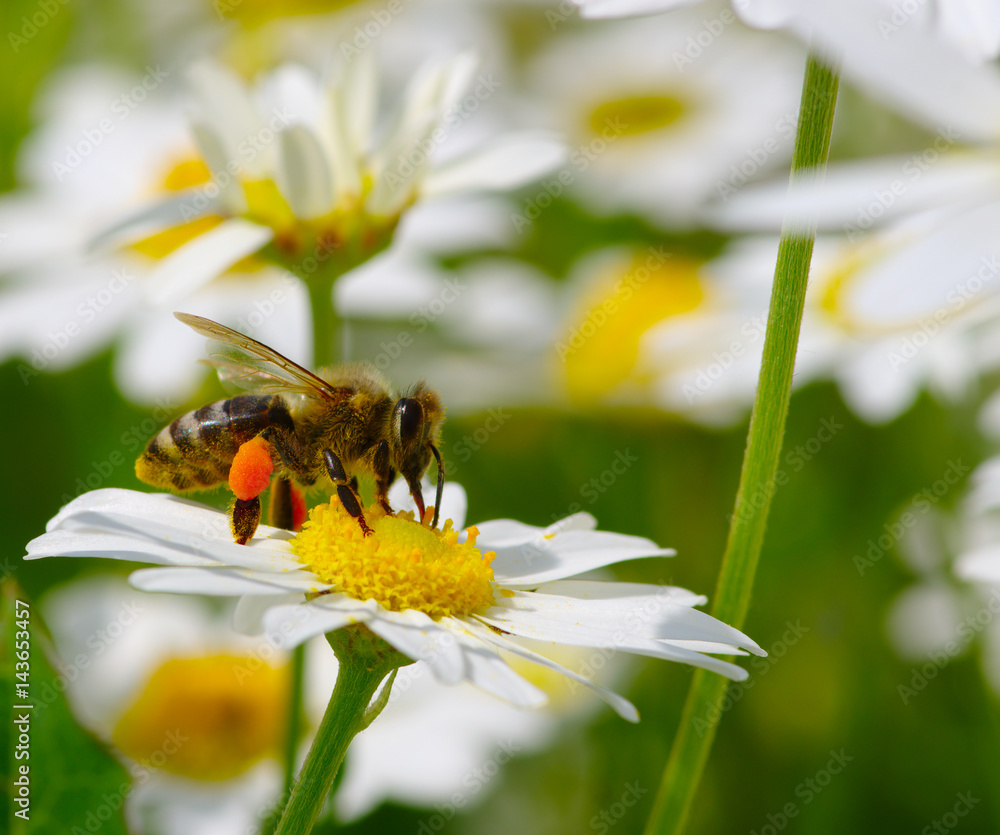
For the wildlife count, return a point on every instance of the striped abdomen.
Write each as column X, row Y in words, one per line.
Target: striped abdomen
column 196, row 450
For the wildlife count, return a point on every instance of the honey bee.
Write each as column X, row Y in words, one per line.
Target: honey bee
column 333, row 424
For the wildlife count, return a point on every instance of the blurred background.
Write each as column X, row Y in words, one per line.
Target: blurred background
column 877, row 707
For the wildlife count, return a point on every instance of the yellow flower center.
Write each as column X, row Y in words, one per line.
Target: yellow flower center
column 208, row 718
column 633, row 115
column 601, row 349
column 402, row 565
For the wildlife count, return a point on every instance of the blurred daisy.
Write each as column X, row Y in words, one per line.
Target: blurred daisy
column 658, row 122
column 292, row 172
column 972, row 26
column 629, row 327
column 198, row 709
column 454, row 609
column 59, row 305
column 880, row 334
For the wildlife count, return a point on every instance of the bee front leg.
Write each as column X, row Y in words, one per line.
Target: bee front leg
column 385, row 474
column 345, row 492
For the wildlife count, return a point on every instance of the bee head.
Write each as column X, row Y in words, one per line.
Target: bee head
column 415, row 427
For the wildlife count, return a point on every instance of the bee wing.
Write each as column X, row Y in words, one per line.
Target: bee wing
column 254, row 367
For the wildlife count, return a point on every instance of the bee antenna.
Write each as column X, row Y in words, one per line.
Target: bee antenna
column 440, row 485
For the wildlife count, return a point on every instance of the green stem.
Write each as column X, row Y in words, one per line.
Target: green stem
column 326, row 324
column 760, row 463
column 294, row 727
column 365, row 661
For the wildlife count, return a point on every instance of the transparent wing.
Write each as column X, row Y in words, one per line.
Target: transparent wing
column 254, row 367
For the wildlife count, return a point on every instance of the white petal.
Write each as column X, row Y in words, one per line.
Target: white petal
column 454, row 502
column 422, row 639
column 601, row 590
column 601, row 9
column 506, row 163
column 204, row 258
column 622, row 706
column 157, row 528
column 248, row 616
column 288, row 626
column 228, row 107
column 540, row 628
column 652, row 618
column 153, row 218
column 506, row 533
column 303, row 174
column 217, row 158
column 226, row 582
column 981, row 565
column 556, row 556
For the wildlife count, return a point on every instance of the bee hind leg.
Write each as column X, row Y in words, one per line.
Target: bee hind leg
column 244, row 518
column 345, row 490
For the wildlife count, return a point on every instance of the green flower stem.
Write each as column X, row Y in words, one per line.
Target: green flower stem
column 326, row 324
column 293, row 729
column 365, row 661
column 760, row 463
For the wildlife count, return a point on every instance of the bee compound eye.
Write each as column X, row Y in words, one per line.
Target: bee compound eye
column 408, row 420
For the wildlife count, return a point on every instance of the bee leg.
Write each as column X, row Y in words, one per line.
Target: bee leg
column 280, row 513
column 345, row 492
column 385, row 473
column 244, row 518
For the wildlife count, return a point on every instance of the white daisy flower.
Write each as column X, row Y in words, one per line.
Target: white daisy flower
column 165, row 663
column 59, row 304
column 972, row 26
column 299, row 176
column 879, row 334
column 657, row 122
column 455, row 606
column 197, row 710
column 630, row 326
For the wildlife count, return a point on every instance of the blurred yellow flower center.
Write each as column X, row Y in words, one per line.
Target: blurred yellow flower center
column 601, row 348
column 402, row 565
column 187, row 173
column 208, row 718
column 842, row 281
column 632, row 115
